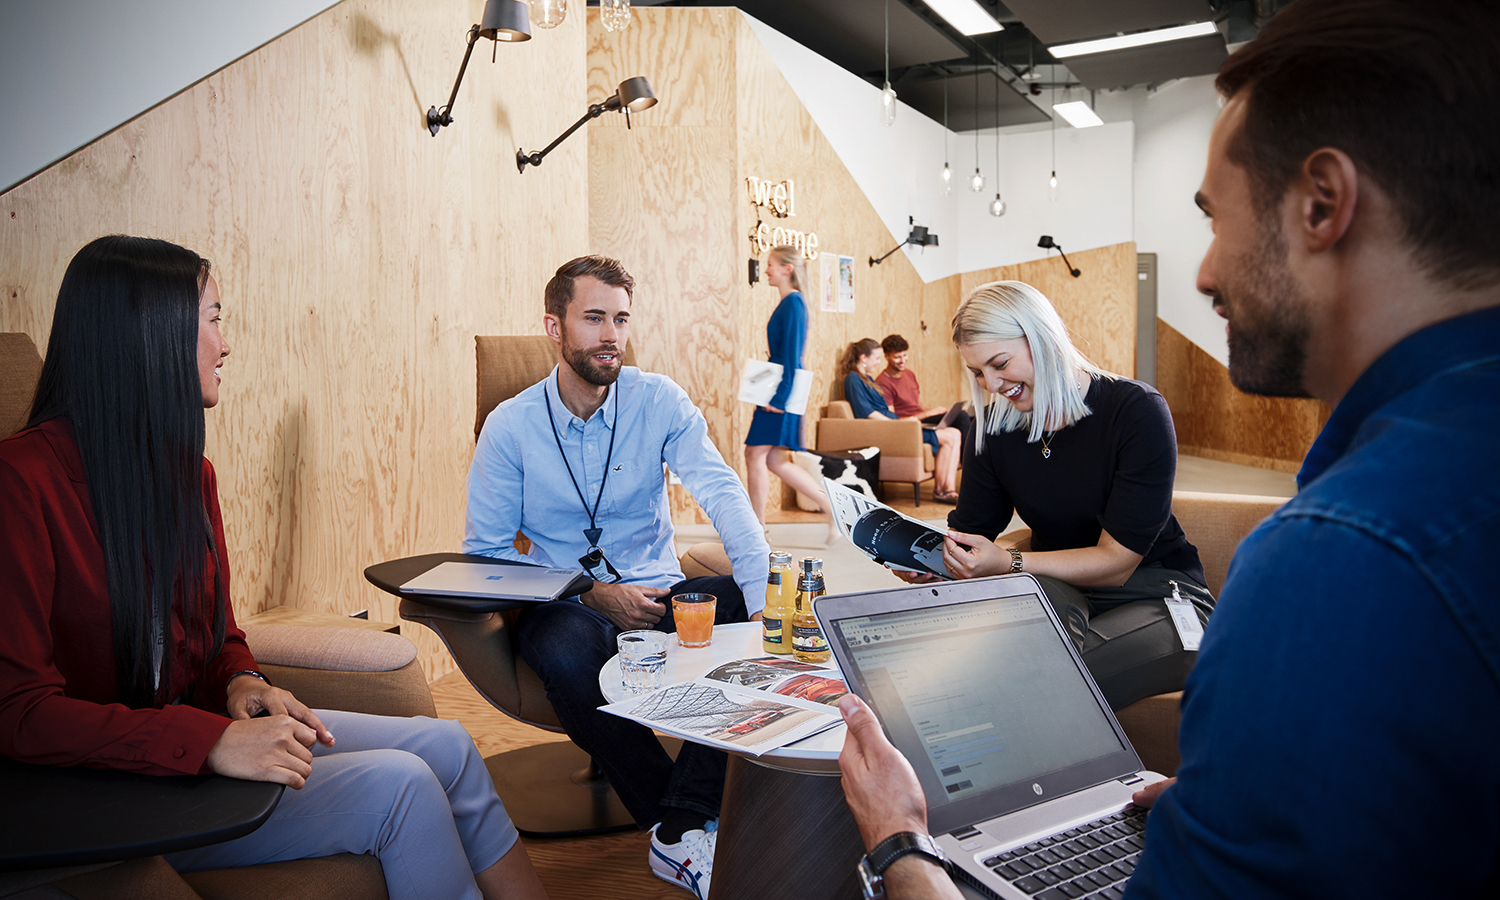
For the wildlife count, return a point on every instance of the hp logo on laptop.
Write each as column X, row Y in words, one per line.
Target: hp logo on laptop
column 1037, row 788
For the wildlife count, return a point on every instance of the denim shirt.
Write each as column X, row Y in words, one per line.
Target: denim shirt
column 518, row 481
column 1340, row 733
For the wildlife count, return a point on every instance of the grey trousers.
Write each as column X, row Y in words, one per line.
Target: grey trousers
column 1125, row 634
column 412, row 792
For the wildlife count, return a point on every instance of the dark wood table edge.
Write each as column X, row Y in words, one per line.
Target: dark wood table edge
column 391, row 574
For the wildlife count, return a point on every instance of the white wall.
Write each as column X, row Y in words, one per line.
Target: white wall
column 898, row 170
column 1171, row 149
column 73, row 70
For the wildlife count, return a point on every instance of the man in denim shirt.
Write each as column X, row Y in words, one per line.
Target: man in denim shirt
column 1340, row 732
column 575, row 462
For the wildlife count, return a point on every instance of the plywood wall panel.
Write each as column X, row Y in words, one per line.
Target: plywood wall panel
column 1216, row 420
column 357, row 256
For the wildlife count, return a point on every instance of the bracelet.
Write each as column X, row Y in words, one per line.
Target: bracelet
column 249, row 672
column 1015, row 560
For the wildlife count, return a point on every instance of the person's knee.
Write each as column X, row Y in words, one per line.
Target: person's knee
column 563, row 642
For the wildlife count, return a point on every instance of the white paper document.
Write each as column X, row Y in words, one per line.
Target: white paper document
column 759, row 380
column 886, row 536
column 749, row 705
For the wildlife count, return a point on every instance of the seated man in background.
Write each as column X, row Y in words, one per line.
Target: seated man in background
column 575, row 462
column 1342, row 718
column 899, row 385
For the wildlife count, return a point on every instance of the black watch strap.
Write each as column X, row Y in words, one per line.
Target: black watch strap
column 873, row 866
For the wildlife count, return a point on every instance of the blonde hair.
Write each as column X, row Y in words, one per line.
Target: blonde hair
column 787, row 254
column 1004, row 311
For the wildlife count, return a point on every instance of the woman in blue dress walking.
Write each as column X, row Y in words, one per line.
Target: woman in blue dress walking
column 772, row 427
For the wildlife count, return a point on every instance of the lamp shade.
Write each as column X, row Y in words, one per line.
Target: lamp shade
column 505, row 20
column 635, row 94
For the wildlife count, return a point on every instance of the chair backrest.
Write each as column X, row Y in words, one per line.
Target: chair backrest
column 838, row 409
column 20, row 367
column 1216, row 523
column 507, row 364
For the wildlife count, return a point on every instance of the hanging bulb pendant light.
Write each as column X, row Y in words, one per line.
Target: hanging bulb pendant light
column 614, row 15
column 997, row 206
column 947, row 169
column 976, row 184
column 1052, row 182
column 887, row 96
column 548, row 13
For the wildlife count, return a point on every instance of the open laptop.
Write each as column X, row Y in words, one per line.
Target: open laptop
column 1028, row 775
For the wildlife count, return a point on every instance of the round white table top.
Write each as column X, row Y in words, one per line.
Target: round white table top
column 741, row 640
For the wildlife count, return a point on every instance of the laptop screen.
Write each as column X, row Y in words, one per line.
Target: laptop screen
column 979, row 694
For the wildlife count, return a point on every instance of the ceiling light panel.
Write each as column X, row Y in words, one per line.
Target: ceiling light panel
column 1126, row 41
column 967, row 16
column 1078, row 114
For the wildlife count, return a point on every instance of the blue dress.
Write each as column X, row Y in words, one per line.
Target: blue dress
column 786, row 334
column 864, row 398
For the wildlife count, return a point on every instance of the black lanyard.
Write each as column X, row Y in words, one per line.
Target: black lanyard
column 592, row 532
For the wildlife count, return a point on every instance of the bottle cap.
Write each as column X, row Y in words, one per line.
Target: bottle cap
column 781, row 558
column 811, row 565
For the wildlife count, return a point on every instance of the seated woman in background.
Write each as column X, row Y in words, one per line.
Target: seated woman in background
column 120, row 649
column 863, row 360
column 1088, row 460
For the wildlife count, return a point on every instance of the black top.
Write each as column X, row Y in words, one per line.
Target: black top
column 1112, row 471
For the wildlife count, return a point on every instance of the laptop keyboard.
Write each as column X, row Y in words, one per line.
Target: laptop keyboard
column 1090, row 861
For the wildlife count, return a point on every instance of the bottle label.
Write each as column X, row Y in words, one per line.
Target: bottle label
column 809, row 639
column 774, row 578
column 770, row 630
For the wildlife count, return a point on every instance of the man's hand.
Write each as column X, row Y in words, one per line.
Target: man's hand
column 249, row 696
column 1147, row 796
column 973, row 555
column 879, row 783
column 629, row 606
column 272, row 749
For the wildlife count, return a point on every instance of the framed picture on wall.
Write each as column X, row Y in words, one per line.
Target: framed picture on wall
column 828, row 282
column 846, row 284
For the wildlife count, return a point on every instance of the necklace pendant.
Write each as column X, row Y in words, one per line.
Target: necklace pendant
column 1046, row 453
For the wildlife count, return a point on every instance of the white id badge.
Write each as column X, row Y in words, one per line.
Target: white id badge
column 1185, row 618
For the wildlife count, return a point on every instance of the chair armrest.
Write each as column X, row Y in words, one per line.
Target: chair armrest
column 343, row 668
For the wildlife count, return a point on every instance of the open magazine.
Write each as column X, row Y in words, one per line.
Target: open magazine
column 747, row 705
column 885, row 535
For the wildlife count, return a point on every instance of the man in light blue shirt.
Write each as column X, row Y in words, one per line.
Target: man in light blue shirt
column 575, row 463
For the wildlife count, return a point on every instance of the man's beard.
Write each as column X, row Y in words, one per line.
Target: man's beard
column 583, row 363
column 1268, row 321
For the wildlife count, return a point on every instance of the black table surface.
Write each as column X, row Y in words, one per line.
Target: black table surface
column 67, row 815
column 390, row 575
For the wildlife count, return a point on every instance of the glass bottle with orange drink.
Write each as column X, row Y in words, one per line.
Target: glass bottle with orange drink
column 781, row 594
column 808, row 642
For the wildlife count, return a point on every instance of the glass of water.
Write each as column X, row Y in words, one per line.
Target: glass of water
column 643, row 660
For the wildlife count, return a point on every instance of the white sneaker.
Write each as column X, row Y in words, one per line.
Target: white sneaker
column 688, row 863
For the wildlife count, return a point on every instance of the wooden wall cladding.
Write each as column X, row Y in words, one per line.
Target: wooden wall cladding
column 357, row 257
column 1216, row 420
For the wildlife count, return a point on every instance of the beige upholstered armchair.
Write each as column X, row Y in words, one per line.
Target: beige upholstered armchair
column 904, row 457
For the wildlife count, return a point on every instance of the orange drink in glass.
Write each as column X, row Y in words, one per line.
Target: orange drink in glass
column 694, row 615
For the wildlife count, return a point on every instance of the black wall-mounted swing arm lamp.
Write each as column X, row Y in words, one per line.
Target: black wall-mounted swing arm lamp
column 633, row 95
column 504, row 20
column 919, row 237
column 1046, row 243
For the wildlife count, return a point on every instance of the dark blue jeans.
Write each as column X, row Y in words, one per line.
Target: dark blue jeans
column 567, row 643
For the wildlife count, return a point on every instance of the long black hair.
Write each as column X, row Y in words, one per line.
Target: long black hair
column 122, row 367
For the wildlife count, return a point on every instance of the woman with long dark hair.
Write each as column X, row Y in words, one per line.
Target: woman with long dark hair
column 862, row 361
column 120, row 648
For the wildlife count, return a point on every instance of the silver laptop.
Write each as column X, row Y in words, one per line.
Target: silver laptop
column 1027, row 774
column 488, row 581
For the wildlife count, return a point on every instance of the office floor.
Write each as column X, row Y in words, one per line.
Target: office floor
column 615, row 865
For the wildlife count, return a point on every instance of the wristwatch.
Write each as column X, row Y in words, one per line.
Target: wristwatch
column 872, row 867
column 1015, row 560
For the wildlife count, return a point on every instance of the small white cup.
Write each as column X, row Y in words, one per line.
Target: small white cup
column 643, row 660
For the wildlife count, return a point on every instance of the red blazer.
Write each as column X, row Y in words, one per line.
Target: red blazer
column 58, row 702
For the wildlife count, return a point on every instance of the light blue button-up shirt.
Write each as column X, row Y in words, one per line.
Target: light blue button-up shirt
column 518, row 482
